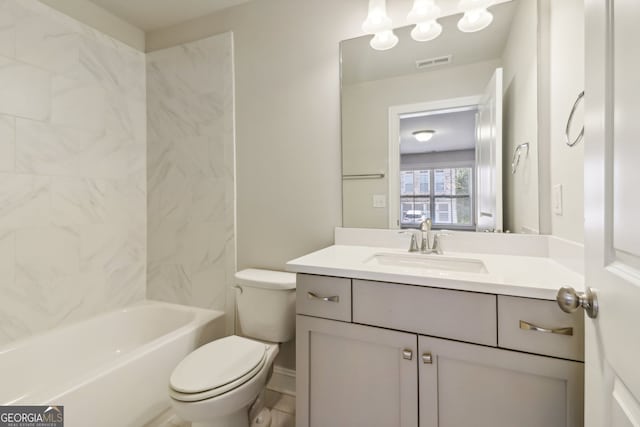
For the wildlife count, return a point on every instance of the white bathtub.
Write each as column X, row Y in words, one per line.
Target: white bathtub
column 111, row 370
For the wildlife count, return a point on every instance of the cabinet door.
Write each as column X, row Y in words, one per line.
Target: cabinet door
column 464, row 385
column 354, row 376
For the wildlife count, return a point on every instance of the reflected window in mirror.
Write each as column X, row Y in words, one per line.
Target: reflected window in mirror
column 449, row 202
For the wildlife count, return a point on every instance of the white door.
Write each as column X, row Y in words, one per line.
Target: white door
column 612, row 211
column 489, row 156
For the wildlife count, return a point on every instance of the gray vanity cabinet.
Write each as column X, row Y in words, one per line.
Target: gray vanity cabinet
column 470, row 385
column 375, row 354
column 355, row 376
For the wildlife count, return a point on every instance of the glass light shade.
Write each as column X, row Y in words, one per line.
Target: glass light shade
column 425, row 31
column 384, row 40
column 377, row 20
column 424, row 135
column 423, row 11
column 475, row 20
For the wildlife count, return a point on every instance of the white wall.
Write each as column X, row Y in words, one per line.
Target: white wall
column 365, row 109
column 72, row 171
column 98, row 18
column 288, row 118
column 520, row 59
column 566, row 82
column 191, row 174
column 287, row 79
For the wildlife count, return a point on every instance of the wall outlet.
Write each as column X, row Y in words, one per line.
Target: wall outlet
column 379, row 201
column 557, row 199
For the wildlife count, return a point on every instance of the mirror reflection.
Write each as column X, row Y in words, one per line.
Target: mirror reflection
column 444, row 129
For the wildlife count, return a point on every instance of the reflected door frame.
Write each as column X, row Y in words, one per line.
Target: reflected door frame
column 393, row 167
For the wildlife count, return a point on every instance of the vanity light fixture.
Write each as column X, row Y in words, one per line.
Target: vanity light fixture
column 384, row 40
column 423, row 15
column 379, row 24
column 476, row 16
column 424, row 135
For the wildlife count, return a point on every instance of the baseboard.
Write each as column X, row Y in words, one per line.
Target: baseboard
column 283, row 381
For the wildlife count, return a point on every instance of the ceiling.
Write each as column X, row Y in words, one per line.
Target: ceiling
column 149, row 15
column 454, row 131
column 361, row 63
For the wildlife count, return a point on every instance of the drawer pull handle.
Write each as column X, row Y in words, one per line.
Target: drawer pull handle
column 407, row 354
column 427, row 358
column 334, row 298
column 531, row 327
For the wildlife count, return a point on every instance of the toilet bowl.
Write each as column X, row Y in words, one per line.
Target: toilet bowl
column 217, row 384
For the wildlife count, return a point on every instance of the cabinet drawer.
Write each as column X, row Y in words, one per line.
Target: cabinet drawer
column 538, row 326
column 322, row 296
column 464, row 316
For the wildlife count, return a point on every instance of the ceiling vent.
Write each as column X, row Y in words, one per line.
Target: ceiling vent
column 433, row 62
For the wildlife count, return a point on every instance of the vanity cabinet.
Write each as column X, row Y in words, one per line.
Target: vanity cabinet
column 356, row 375
column 403, row 355
column 470, row 385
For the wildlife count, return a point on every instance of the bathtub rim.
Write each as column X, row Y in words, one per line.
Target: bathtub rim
column 50, row 392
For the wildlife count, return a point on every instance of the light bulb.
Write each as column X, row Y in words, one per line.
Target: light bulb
column 384, row 40
column 423, row 11
column 377, row 19
column 475, row 20
column 426, row 31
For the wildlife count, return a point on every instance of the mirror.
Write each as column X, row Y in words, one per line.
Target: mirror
column 444, row 129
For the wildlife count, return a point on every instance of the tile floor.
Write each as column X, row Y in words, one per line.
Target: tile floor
column 283, row 407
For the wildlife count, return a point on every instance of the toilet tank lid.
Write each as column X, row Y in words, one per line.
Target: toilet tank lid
column 267, row 279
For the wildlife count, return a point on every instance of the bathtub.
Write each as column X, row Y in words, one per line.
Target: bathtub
column 111, row 370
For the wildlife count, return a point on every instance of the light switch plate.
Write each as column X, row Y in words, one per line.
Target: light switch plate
column 557, row 199
column 379, row 201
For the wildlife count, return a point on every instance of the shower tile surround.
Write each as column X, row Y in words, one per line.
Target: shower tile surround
column 191, row 174
column 74, row 172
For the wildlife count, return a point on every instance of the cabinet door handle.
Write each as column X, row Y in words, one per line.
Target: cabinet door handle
column 407, row 354
column 559, row 331
column 334, row 298
column 427, row 358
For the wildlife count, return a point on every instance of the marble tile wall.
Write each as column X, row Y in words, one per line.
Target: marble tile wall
column 72, row 171
column 191, row 161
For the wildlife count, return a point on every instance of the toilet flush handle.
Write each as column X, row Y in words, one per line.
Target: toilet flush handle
column 238, row 287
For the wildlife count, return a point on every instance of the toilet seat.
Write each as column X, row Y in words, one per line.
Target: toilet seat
column 217, row 368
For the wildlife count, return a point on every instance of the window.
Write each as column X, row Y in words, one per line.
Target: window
column 449, row 199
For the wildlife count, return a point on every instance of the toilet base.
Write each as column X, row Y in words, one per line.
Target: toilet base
column 237, row 419
column 260, row 418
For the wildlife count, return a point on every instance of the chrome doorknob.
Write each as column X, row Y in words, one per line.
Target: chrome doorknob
column 569, row 301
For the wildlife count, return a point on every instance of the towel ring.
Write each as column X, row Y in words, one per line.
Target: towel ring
column 517, row 153
column 568, row 140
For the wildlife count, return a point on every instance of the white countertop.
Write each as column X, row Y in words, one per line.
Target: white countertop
column 524, row 276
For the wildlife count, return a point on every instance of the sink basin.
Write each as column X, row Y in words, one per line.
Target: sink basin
column 428, row 262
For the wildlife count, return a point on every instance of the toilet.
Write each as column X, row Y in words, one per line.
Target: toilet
column 220, row 383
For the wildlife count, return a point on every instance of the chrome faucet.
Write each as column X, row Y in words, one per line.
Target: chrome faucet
column 426, row 245
column 425, row 230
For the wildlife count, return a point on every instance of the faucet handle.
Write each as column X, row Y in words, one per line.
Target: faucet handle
column 437, row 245
column 413, row 246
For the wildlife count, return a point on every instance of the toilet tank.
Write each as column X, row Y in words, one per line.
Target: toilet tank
column 266, row 302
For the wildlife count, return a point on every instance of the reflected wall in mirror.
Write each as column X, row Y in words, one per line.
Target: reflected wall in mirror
column 430, row 129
